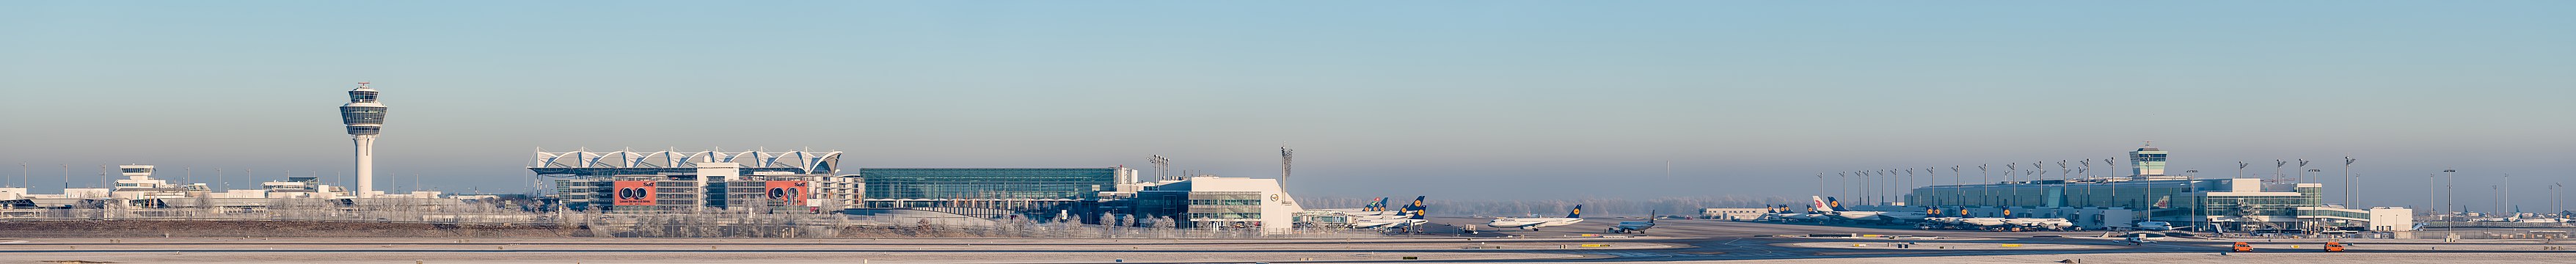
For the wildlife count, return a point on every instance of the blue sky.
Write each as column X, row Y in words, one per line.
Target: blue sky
column 1470, row 99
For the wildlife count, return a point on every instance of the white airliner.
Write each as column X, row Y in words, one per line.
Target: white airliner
column 1410, row 219
column 1832, row 207
column 1410, row 215
column 1534, row 223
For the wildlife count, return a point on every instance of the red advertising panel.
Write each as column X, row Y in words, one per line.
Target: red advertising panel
column 634, row 193
column 789, row 193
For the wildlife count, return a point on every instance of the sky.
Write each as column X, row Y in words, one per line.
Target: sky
column 1463, row 99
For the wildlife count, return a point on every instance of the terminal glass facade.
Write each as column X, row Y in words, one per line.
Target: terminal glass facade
column 2196, row 202
column 989, row 183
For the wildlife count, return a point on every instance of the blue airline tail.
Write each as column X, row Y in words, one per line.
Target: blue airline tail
column 1578, row 212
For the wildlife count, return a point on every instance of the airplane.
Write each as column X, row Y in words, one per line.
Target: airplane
column 1373, row 206
column 1782, row 213
column 1411, row 215
column 2041, row 223
column 2138, row 238
column 1625, row 227
column 1411, row 219
column 1834, row 208
column 1534, row 223
column 1987, row 223
column 2158, row 226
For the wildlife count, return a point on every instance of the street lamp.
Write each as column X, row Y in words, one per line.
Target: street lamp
column 2447, row 198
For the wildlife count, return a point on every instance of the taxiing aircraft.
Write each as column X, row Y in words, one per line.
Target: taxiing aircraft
column 1625, row 227
column 1534, row 223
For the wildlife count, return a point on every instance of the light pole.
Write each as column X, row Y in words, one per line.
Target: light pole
column 2506, row 207
column 2447, row 198
column 2009, row 170
column 1846, row 186
column 1907, row 190
column 2351, row 184
column 2303, row 173
column 2240, row 168
column 1987, row 193
column 2276, row 167
column 1956, row 179
column 2553, row 199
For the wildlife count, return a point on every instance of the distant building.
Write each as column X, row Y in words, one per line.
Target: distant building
column 2231, row 205
column 691, row 181
column 1042, row 193
column 1221, row 202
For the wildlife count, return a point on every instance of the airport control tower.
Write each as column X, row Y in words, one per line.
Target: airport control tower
column 2147, row 161
column 365, row 117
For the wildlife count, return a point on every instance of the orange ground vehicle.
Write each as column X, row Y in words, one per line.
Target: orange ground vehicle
column 2242, row 247
column 2334, row 246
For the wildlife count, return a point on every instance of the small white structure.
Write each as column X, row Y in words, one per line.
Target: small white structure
column 2392, row 219
column 1236, row 202
column 1733, row 213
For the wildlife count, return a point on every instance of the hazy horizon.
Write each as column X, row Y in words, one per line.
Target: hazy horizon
column 1467, row 100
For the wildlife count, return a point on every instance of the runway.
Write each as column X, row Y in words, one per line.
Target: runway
column 1670, row 241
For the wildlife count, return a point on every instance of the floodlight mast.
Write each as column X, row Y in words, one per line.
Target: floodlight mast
column 2447, row 198
column 1160, row 164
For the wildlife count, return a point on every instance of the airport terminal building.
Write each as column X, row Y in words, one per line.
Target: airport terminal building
column 2223, row 205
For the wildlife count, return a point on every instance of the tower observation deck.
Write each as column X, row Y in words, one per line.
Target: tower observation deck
column 365, row 118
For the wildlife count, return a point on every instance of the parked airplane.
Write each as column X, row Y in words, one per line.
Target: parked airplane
column 1373, row 206
column 1833, row 207
column 2157, row 226
column 1534, row 223
column 1625, row 227
column 1411, row 215
column 1410, row 219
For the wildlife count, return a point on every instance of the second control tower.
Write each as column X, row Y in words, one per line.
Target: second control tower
column 364, row 118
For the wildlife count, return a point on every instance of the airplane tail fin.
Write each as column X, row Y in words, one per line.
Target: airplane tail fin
column 1417, row 207
column 1818, row 203
column 1650, row 216
column 1578, row 212
column 1831, row 203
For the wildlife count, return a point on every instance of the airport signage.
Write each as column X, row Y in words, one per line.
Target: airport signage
column 634, row 192
column 789, row 193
